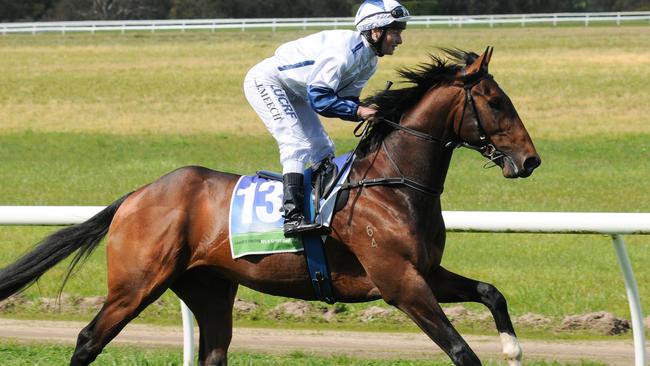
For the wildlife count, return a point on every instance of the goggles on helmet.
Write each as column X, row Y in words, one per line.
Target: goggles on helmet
column 397, row 12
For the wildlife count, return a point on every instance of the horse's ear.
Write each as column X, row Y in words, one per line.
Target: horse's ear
column 481, row 63
column 489, row 56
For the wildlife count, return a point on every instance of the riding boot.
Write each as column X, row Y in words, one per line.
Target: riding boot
column 293, row 204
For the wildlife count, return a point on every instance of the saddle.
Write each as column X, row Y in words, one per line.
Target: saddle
column 324, row 176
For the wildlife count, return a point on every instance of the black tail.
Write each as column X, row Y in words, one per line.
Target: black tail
column 84, row 237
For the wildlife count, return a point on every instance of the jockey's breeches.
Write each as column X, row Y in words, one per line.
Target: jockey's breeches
column 290, row 119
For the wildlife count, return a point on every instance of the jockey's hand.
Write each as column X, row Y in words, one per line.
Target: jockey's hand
column 366, row 113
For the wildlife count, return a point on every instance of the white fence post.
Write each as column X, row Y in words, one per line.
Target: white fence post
column 188, row 335
column 636, row 313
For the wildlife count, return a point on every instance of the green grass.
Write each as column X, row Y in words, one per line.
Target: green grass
column 564, row 81
column 552, row 275
column 87, row 118
column 23, row 354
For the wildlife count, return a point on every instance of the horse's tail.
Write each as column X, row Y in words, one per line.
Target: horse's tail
column 84, row 237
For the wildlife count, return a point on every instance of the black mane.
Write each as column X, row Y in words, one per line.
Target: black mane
column 391, row 104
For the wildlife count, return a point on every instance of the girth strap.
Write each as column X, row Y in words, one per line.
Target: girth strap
column 319, row 272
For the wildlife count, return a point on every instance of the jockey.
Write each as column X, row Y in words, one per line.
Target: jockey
column 322, row 73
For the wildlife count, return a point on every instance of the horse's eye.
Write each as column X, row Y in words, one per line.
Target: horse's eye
column 496, row 103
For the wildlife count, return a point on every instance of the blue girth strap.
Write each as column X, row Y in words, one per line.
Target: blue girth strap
column 319, row 272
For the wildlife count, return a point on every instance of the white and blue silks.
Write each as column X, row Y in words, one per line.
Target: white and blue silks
column 322, row 73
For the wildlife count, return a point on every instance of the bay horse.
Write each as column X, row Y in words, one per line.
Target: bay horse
column 387, row 241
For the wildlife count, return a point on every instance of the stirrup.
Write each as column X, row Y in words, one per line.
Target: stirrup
column 293, row 229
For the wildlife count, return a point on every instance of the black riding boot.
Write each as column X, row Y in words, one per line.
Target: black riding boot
column 293, row 204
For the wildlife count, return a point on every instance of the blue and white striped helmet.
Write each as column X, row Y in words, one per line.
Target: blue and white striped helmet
column 380, row 13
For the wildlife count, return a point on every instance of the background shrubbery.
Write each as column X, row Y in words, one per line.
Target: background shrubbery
column 27, row 10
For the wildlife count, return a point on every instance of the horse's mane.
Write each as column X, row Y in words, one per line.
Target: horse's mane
column 391, row 104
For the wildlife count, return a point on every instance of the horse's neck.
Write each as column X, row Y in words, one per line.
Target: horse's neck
column 425, row 161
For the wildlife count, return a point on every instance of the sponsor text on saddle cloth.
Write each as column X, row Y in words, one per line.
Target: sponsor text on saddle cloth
column 256, row 216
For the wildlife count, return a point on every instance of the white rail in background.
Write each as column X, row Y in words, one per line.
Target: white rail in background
column 183, row 25
column 614, row 224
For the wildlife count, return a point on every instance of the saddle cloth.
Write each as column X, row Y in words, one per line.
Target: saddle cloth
column 256, row 214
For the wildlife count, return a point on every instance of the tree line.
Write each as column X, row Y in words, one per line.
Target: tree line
column 44, row 10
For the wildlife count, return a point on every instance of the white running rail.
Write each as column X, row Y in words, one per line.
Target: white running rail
column 523, row 20
column 613, row 224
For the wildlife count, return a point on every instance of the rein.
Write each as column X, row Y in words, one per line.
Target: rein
column 486, row 147
column 402, row 180
column 412, row 131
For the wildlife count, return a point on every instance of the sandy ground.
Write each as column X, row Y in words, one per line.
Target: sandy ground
column 357, row 344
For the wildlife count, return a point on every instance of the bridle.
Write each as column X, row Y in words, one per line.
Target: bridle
column 485, row 145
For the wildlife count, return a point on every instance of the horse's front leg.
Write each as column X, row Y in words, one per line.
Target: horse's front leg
column 404, row 287
column 450, row 287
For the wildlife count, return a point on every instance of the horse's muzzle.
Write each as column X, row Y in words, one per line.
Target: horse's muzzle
column 530, row 164
column 516, row 168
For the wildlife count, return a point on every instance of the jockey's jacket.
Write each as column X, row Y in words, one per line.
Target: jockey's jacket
column 328, row 70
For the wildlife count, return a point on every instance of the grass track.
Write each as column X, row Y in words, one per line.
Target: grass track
column 22, row 354
column 84, row 119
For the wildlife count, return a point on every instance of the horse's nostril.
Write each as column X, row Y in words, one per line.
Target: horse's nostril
column 531, row 163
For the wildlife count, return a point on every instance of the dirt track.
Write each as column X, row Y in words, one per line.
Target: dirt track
column 358, row 344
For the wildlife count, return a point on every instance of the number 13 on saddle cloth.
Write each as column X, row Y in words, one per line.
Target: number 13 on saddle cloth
column 256, row 222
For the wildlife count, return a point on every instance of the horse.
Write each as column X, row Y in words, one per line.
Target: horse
column 386, row 243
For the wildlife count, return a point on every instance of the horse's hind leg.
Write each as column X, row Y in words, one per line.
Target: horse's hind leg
column 211, row 300
column 82, row 354
column 119, row 308
column 141, row 265
column 451, row 287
